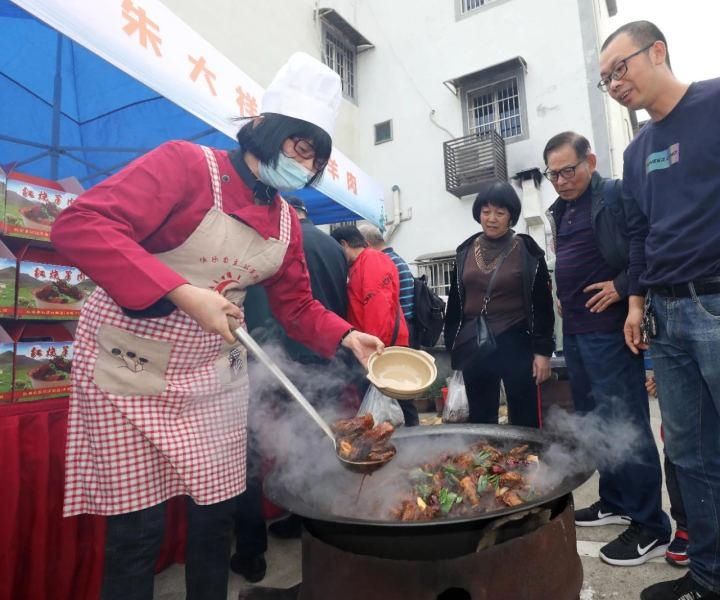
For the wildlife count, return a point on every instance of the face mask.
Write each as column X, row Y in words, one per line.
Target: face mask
column 287, row 176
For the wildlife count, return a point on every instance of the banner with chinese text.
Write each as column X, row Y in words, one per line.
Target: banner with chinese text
column 149, row 42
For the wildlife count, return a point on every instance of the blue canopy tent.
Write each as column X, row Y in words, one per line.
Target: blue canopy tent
column 65, row 111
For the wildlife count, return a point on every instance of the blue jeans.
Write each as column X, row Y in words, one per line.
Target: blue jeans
column 132, row 544
column 685, row 355
column 608, row 379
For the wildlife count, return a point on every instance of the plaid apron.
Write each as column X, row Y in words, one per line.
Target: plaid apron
column 158, row 406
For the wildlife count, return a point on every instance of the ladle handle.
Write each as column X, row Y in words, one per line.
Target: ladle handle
column 254, row 348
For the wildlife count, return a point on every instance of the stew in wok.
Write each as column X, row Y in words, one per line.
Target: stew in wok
column 480, row 480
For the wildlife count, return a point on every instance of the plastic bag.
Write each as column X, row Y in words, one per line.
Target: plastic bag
column 381, row 407
column 456, row 408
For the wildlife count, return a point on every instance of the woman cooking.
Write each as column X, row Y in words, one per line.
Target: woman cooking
column 503, row 275
column 159, row 403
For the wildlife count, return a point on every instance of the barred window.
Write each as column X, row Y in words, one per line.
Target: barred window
column 467, row 6
column 340, row 55
column 496, row 107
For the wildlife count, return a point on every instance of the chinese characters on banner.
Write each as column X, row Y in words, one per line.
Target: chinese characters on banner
column 146, row 32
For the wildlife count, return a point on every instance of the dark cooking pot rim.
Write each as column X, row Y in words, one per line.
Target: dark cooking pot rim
column 494, row 434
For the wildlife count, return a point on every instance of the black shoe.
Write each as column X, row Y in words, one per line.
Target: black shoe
column 287, row 528
column 633, row 547
column 594, row 515
column 685, row 588
column 253, row 569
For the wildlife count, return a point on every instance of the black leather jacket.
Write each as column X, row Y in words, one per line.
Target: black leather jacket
column 609, row 224
column 537, row 296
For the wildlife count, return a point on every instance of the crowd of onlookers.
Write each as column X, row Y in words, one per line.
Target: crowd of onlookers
column 637, row 264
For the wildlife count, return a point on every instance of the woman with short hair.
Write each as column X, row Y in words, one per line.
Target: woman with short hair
column 518, row 311
column 160, row 389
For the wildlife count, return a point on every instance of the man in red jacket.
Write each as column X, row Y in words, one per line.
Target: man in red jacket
column 374, row 297
column 373, row 289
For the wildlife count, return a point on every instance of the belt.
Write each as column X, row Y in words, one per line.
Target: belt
column 710, row 285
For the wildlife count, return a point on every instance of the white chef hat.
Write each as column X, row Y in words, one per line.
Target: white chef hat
column 305, row 88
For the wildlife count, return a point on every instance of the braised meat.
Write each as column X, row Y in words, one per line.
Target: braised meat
column 45, row 213
column 58, row 369
column 360, row 440
column 480, row 480
column 59, row 292
column 352, row 427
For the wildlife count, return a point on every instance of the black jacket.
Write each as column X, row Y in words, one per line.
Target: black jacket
column 609, row 225
column 537, row 296
column 327, row 269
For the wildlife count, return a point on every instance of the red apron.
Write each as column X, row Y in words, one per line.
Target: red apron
column 159, row 407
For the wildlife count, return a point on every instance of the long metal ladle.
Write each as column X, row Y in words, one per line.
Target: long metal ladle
column 366, row 466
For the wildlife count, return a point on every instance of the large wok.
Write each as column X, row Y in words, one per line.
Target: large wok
column 325, row 494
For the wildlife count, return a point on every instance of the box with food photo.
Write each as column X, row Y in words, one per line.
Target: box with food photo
column 7, row 355
column 32, row 204
column 43, row 361
column 47, row 289
column 8, row 276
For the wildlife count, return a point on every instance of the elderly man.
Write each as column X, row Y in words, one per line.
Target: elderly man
column 591, row 247
column 672, row 170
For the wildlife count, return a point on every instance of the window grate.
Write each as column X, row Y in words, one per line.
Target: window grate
column 438, row 272
column 471, row 5
column 496, row 108
column 340, row 57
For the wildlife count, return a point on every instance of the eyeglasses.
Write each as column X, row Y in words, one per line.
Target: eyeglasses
column 305, row 150
column 619, row 70
column 566, row 172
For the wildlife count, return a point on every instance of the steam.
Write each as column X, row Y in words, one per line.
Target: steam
column 602, row 439
column 309, row 474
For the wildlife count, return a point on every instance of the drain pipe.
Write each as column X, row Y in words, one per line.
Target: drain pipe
column 394, row 224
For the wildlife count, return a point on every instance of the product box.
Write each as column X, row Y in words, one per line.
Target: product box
column 47, row 289
column 7, row 354
column 43, row 361
column 8, row 277
column 32, row 204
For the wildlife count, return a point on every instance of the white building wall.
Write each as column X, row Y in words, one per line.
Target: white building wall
column 418, row 45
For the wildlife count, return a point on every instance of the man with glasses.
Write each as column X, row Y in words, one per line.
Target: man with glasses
column 591, row 248
column 672, row 170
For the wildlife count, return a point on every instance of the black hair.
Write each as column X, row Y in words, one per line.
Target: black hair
column 500, row 194
column 265, row 137
column 579, row 143
column 643, row 33
column 351, row 235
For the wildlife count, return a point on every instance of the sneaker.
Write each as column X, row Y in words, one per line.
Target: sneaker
column 633, row 547
column 676, row 554
column 287, row 528
column 685, row 588
column 594, row 515
column 252, row 569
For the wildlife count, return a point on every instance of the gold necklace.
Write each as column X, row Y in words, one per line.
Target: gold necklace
column 485, row 264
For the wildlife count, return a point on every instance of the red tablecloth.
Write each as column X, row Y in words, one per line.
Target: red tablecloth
column 43, row 555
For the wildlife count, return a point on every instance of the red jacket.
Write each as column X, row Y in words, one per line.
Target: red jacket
column 113, row 231
column 374, row 297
